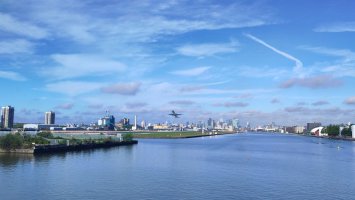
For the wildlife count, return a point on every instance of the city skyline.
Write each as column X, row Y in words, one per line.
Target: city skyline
column 258, row 61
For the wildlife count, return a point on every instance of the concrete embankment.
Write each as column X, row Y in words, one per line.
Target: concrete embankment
column 39, row 149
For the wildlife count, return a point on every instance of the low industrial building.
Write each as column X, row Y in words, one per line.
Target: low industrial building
column 38, row 127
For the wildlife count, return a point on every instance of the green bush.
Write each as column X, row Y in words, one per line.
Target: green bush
column 11, row 141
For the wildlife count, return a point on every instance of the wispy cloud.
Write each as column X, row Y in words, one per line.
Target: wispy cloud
column 191, row 72
column 298, row 63
column 12, row 76
column 65, row 106
column 16, row 46
column 350, row 100
column 338, row 68
column 315, row 82
column 336, row 27
column 261, row 72
column 73, row 88
column 182, row 102
column 19, row 27
column 275, row 101
column 136, row 104
column 208, row 49
column 320, row 103
column 122, row 88
column 79, row 65
column 231, row 104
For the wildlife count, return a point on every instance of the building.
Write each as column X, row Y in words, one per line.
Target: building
column 107, row 122
column 210, row 124
column 235, row 123
column 135, row 123
column 38, row 127
column 313, row 125
column 299, row 129
column 318, row 131
column 7, row 116
column 353, row 131
column 49, row 117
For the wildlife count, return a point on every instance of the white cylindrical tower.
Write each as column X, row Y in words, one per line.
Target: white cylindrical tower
column 353, row 131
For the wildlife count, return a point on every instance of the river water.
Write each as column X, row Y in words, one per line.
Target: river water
column 243, row 166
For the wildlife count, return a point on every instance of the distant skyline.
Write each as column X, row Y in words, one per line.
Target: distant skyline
column 289, row 62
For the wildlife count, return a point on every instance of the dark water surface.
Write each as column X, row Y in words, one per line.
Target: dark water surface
column 244, row 166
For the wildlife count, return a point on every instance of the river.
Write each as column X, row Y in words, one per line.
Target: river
column 239, row 166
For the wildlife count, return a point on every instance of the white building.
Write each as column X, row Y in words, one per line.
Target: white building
column 318, row 131
column 353, row 131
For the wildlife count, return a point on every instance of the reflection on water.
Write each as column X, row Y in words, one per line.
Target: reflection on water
column 243, row 166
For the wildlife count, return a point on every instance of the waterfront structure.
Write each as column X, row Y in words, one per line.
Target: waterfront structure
column 49, row 117
column 318, row 131
column 7, row 116
column 353, row 131
column 313, row 125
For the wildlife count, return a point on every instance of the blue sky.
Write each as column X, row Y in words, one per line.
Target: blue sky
column 288, row 62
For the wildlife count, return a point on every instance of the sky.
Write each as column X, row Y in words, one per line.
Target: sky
column 288, row 62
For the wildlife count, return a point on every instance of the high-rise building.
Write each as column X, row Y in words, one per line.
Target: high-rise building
column 210, row 124
column 49, row 117
column 235, row 123
column 135, row 123
column 7, row 116
column 313, row 125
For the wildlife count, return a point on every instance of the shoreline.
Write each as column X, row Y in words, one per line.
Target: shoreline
column 43, row 149
column 176, row 135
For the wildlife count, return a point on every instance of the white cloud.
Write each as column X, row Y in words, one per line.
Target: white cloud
column 208, row 49
column 73, row 88
column 13, row 25
column 298, row 63
column 191, row 72
column 337, row 27
column 12, row 76
column 16, row 46
column 79, row 65
column 122, row 88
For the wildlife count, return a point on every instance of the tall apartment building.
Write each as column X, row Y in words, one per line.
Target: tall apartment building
column 49, row 117
column 7, row 116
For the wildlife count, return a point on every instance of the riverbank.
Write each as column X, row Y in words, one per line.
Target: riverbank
column 40, row 149
column 177, row 135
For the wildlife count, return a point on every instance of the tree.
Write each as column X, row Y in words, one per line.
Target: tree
column 347, row 131
column 11, row 141
column 332, row 130
column 127, row 137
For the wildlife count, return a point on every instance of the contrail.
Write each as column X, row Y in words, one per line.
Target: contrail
column 298, row 63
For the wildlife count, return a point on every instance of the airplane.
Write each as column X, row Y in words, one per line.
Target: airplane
column 173, row 113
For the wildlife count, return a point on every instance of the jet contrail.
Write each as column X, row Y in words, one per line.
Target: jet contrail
column 298, row 63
